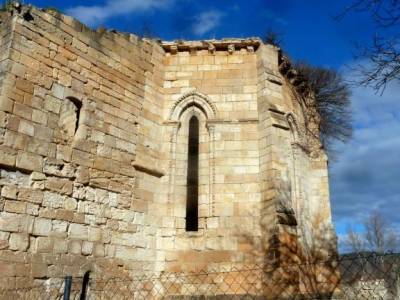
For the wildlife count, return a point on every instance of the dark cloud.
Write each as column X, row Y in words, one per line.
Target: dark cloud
column 367, row 175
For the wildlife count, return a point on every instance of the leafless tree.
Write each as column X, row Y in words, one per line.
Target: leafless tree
column 385, row 13
column 272, row 37
column 332, row 101
column 373, row 253
column 383, row 54
column 377, row 236
column 147, row 31
column 355, row 241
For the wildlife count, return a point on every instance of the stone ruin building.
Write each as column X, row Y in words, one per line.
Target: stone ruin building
column 122, row 155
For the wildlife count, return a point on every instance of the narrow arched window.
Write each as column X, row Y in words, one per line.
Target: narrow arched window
column 192, row 190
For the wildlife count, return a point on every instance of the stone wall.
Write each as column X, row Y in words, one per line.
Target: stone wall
column 94, row 150
column 224, row 84
column 72, row 99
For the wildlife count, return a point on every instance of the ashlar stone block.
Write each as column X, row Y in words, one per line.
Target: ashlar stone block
column 29, row 161
column 42, row 227
column 19, row 241
column 78, row 231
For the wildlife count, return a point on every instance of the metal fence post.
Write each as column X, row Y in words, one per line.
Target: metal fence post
column 67, row 287
column 85, row 284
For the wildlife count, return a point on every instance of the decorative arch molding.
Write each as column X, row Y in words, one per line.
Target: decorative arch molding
column 189, row 99
column 298, row 136
column 294, row 128
column 188, row 105
column 288, row 209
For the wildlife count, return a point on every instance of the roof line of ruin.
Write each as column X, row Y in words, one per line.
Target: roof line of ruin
column 226, row 44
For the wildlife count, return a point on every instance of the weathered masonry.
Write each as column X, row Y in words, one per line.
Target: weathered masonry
column 122, row 155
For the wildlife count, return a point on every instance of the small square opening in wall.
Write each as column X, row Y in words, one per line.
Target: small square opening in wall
column 69, row 116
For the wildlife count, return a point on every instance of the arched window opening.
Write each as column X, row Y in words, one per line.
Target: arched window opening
column 192, row 189
column 69, row 115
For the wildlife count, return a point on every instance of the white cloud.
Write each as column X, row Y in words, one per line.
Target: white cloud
column 367, row 175
column 93, row 15
column 206, row 21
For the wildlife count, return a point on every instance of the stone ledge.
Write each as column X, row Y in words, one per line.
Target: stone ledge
column 148, row 170
column 236, row 121
column 250, row 44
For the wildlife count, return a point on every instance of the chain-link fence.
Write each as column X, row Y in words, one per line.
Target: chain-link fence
column 357, row 276
column 53, row 288
column 67, row 287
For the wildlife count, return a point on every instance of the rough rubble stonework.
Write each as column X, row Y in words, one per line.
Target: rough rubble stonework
column 94, row 150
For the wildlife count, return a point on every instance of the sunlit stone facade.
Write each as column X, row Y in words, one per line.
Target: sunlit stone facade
column 94, row 153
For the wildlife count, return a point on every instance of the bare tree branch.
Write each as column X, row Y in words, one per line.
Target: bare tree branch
column 377, row 236
column 383, row 63
column 272, row 37
column 385, row 13
column 354, row 241
column 332, row 101
column 383, row 55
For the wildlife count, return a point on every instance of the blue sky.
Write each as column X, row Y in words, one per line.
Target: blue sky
column 310, row 33
column 367, row 173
